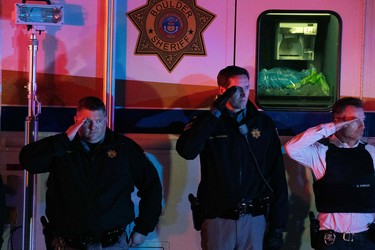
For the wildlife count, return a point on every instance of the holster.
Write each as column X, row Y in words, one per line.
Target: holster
column 197, row 212
column 314, row 230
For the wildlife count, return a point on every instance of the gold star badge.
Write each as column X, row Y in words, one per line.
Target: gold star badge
column 255, row 133
column 111, row 153
column 170, row 29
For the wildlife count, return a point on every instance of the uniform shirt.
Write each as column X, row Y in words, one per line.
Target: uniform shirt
column 226, row 160
column 306, row 150
column 89, row 191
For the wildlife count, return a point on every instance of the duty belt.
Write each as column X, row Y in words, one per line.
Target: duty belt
column 256, row 207
column 106, row 239
column 330, row 236
column 245, row 208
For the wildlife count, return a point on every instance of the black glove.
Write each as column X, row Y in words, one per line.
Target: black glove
column 274, row 240
column 221, row 100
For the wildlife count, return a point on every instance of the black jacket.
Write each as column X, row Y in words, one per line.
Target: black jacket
column 228, row 169
column 90, row 192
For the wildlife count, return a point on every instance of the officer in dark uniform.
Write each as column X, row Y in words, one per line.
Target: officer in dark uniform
column 92, row 173
column 243, row 192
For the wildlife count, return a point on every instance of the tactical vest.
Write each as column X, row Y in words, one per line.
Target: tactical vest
column 349, row 182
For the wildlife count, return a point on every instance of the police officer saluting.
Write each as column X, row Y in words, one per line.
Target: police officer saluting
column 242, row 193
column 344, row 177
column 92, row 173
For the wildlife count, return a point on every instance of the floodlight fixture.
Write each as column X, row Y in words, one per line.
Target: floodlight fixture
column 39, row 14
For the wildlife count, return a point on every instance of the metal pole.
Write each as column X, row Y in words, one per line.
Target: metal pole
column 31, row 135
column 109, row 67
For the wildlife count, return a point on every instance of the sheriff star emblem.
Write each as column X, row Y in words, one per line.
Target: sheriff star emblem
column 111, row 153
column 170, row 29
column 255, row 133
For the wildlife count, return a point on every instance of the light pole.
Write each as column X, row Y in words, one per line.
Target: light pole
column 31, row 135
column 36, row 17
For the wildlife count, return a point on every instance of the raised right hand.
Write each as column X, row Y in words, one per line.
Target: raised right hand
column 72, row 130
column 347, row 124
column 222, row 100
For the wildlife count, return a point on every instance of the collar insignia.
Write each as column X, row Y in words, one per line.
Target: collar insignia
column 111, row 153
column 255, row 133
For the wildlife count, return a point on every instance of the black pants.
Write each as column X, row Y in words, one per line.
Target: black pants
column 361, row 241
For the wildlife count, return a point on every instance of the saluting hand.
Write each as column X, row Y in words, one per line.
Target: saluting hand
column 347, row 124
column 72, row 130
column 222, row 100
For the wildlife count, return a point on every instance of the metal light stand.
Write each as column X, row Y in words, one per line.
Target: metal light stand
column 31, row 135
column 109, row 55
column 36, row 17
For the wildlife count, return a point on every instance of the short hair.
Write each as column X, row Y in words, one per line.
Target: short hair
column 228, row 72
column 342, row 103
column 91, row 103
